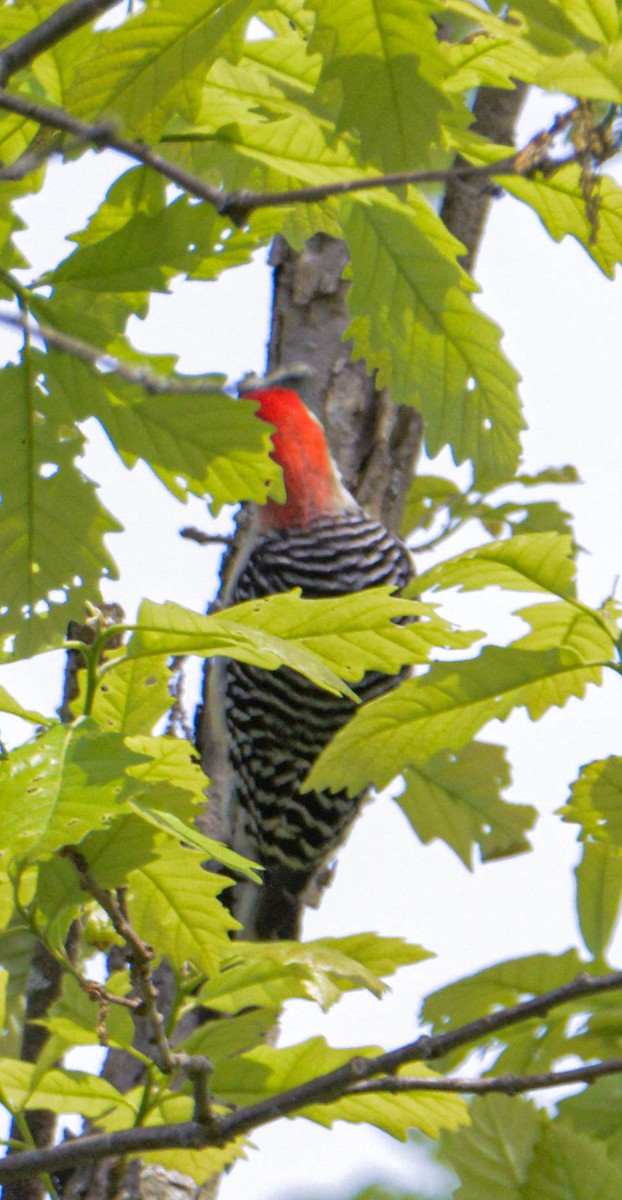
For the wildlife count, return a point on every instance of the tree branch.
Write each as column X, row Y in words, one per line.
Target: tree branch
column 348, row 1080
column 104, row 136
column 238, row 205
column 102, row 360
column 53, row 29
column 466, row 203
column 508, row 1085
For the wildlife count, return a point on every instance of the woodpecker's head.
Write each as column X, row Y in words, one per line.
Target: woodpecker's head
column 312, row 482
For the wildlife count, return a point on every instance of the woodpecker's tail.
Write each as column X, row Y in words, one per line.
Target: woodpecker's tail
column 273, row 911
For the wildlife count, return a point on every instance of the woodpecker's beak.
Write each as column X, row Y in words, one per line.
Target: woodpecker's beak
column 293, row 375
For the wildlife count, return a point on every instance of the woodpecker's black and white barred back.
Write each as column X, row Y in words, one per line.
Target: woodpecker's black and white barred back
column 278, row 722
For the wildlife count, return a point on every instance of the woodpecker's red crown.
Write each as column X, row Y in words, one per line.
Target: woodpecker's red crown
column 312, row 483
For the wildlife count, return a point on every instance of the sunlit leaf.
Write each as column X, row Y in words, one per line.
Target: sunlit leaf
column 174, row 906
column 596, row 800
column 444, row 709
column 535, row 562
column 267, row 1071
column 51, row 564
column 599, row 894
column 61, row 787
column 456, row 797
column 416, row 324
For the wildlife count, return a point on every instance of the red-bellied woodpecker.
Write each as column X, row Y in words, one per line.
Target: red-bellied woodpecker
column 277, row 722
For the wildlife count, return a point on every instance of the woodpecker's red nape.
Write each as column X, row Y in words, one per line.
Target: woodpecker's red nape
column 312, row 485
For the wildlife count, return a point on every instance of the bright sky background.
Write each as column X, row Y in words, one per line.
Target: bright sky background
column 562, row 320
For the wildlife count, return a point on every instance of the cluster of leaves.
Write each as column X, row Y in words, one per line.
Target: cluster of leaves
column 129, row 800
column 328, row 94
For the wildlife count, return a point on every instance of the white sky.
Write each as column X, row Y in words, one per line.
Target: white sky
column 562, row 320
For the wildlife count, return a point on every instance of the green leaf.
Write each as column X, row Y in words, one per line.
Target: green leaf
column 199, row 443
column 139, row 256
column 381, row 955
column 357, row 633
column 456, row 797
column 599, row 893
column 222, row 1039
column 513, row 1152
column 266, row 1071
column 596, row 800
column 397, row 1115
column 133, row 696
column 325, row 969
column 530, row 562
column 320, row 971
column 415, row 323
column 569, row 1165
column 493, row 1156
column 16, row 134
column 595, row 19
column 559, row 201
column 128, row 843
column 557, row 475
column 558, row 197
column 47, row 559
column 538, row 517
column 174, row 907
column 139, row 191
column 58, row 901
column 444, row 709
column 17, row 947
column 596, row 1111
column 73, row 778
column 545, row 25
column 497, row 987
column 9, row 705
column 386, row 58
column 257, row 983
column 427, row 496
column 135, row 243
column 491, row 61
column 10, row 224
column 167, row 790
column 62, row 1091
column 594, row 76
column 171, row 825
column 241, row 135
column 155, row 63
column 7, row 897
column 322, row 639
column 563, row 624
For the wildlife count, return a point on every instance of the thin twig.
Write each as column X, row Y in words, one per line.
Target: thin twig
column 198, row 1068
column 141, row 955
column 47, row 33
column 508, row 1085
column 205, row 539
column 100, row 359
